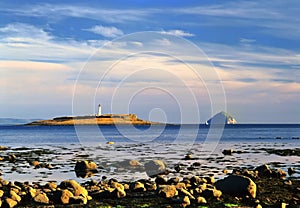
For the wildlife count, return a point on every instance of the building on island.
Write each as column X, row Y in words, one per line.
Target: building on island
column 99, row 110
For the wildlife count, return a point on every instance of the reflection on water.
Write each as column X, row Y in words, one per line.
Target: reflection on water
column 116, row 161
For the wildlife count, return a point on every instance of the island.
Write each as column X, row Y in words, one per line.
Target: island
column 221, row 118
column 105, row 119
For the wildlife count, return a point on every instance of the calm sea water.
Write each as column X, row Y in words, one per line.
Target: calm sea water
column 70, row 134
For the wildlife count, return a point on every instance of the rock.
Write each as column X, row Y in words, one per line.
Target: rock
column 291, row 171
column 77, row 188
column 263, row 171
column 41, row 198
column 167, row 191
column 178, row 168
column 84, row 166
column 173, row 181
column 14, row 196
column 212, row 193
column 155, row 167
column 150, row 186
column 196, row 164
column 210, row 180
column 65, row 196
column 8, row 202
column 237, row 185
column 110, row 142
column 118, row 193
column 35, row 163
column 180, row 185
column 188, row 157
column 134, row 163
column 186, row 193
column 32, row 192
column 159, row 180
column 221, row 118
column 186, row 201
column 11, row 158
column 201, row 200
column 3, row 148
column 196, row 180
column 228, row 152
column 279, row 173
column 138, row 186
column 51, row 185
column 78, row 200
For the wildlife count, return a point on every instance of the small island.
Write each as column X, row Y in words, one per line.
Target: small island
column 97, row 119
column 106, row 119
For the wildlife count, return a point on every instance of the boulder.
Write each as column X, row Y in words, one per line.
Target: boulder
column 159, row 180
column 84, row 166
column 212, row 193
column 77, row 188
column 138, row 186
column 32, row 192
column 237, row 185
column 263, row 171
column 118, row 193
column 155, row 167
column 65, row 196
column 134, row 163
column 8, row 202
column 167, row 191
column 15, row 196
column 186, row 201
column 78, row 200
column 51, row 185
column 228, row 152
column 41, row 198
column 279, row 173
column 291, row 171
column 201, row 200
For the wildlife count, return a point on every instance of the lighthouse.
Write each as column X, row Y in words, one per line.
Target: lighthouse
column 99, row 110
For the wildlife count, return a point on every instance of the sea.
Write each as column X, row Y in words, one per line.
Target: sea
column 112, row 147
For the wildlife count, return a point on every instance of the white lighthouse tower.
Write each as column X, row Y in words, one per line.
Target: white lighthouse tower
column 99, row 110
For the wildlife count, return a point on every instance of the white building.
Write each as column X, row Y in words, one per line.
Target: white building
column 99, row 110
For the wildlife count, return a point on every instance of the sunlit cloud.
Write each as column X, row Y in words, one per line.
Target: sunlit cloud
column 110, row 32
column 180, row 33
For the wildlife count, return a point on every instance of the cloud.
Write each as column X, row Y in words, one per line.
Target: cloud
column 57, row 11
column 109, row 32
column 180, row 33
column 247, row 41
column 14, row 30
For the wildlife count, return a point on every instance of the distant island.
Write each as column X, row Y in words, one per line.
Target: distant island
column 221, row 118
column 106, row 119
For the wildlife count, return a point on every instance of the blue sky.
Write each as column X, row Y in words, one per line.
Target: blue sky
column 253, row 46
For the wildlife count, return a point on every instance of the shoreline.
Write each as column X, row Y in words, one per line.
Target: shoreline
column 274, row 185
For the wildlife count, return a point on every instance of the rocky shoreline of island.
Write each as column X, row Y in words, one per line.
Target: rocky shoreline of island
column 106, row 119
column 261, row 186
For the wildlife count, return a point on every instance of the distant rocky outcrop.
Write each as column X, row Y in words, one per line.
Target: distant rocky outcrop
column 221, row 118
column 106, row 119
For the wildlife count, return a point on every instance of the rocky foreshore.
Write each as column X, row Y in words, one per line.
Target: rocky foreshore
column 261, row 186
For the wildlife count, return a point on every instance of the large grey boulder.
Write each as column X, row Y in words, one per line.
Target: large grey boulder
column 155, row 167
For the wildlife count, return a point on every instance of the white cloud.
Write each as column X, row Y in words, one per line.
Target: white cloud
column 180, row 33
column 57, row 11
column 14, row 30
column 108, row 32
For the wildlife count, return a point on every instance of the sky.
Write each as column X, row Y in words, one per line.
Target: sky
column 173, row 61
